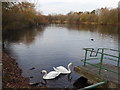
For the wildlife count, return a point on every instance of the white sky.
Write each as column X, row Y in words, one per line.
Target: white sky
column 65, row 6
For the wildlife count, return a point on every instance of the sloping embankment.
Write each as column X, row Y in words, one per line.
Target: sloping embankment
column 12, row 77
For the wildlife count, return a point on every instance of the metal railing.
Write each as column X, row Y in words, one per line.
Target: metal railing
column 101, row 52
column 95, row 85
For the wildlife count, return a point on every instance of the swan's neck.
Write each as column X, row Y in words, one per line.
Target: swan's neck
column 69, row 68
column 45, row 74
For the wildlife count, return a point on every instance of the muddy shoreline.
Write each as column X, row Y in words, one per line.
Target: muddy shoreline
column 12, row 74
column 12, row 77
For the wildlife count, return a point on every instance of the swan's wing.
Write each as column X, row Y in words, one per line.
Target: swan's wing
column 61, row 69
column 52, row 74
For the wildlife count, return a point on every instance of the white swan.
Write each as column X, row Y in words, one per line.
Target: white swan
column 62, row 69
column 50, row 75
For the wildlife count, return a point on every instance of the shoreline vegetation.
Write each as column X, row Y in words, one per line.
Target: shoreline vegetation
column 23, row 15
column 103, row 16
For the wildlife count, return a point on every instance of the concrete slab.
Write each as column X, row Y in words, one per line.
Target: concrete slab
column 92, row 74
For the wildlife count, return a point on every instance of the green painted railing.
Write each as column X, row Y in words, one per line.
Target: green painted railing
column 95, row 85
column 101, row 53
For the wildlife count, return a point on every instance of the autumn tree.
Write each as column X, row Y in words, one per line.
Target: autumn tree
column 20, row 15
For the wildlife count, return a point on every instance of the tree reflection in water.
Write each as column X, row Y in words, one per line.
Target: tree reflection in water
column 26, row 36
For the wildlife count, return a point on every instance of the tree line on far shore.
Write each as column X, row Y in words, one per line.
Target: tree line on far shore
column 99, row 16
column 21, row 15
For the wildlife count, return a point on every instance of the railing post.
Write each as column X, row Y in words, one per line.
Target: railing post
column 118, row 60
column 101, row 61
column 85, row 57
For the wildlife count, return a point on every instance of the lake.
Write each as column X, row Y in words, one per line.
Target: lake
column 53, row 45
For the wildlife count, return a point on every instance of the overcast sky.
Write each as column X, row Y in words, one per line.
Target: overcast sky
column 65, row 6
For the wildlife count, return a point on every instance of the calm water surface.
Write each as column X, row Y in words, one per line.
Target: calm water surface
column 54, row 45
